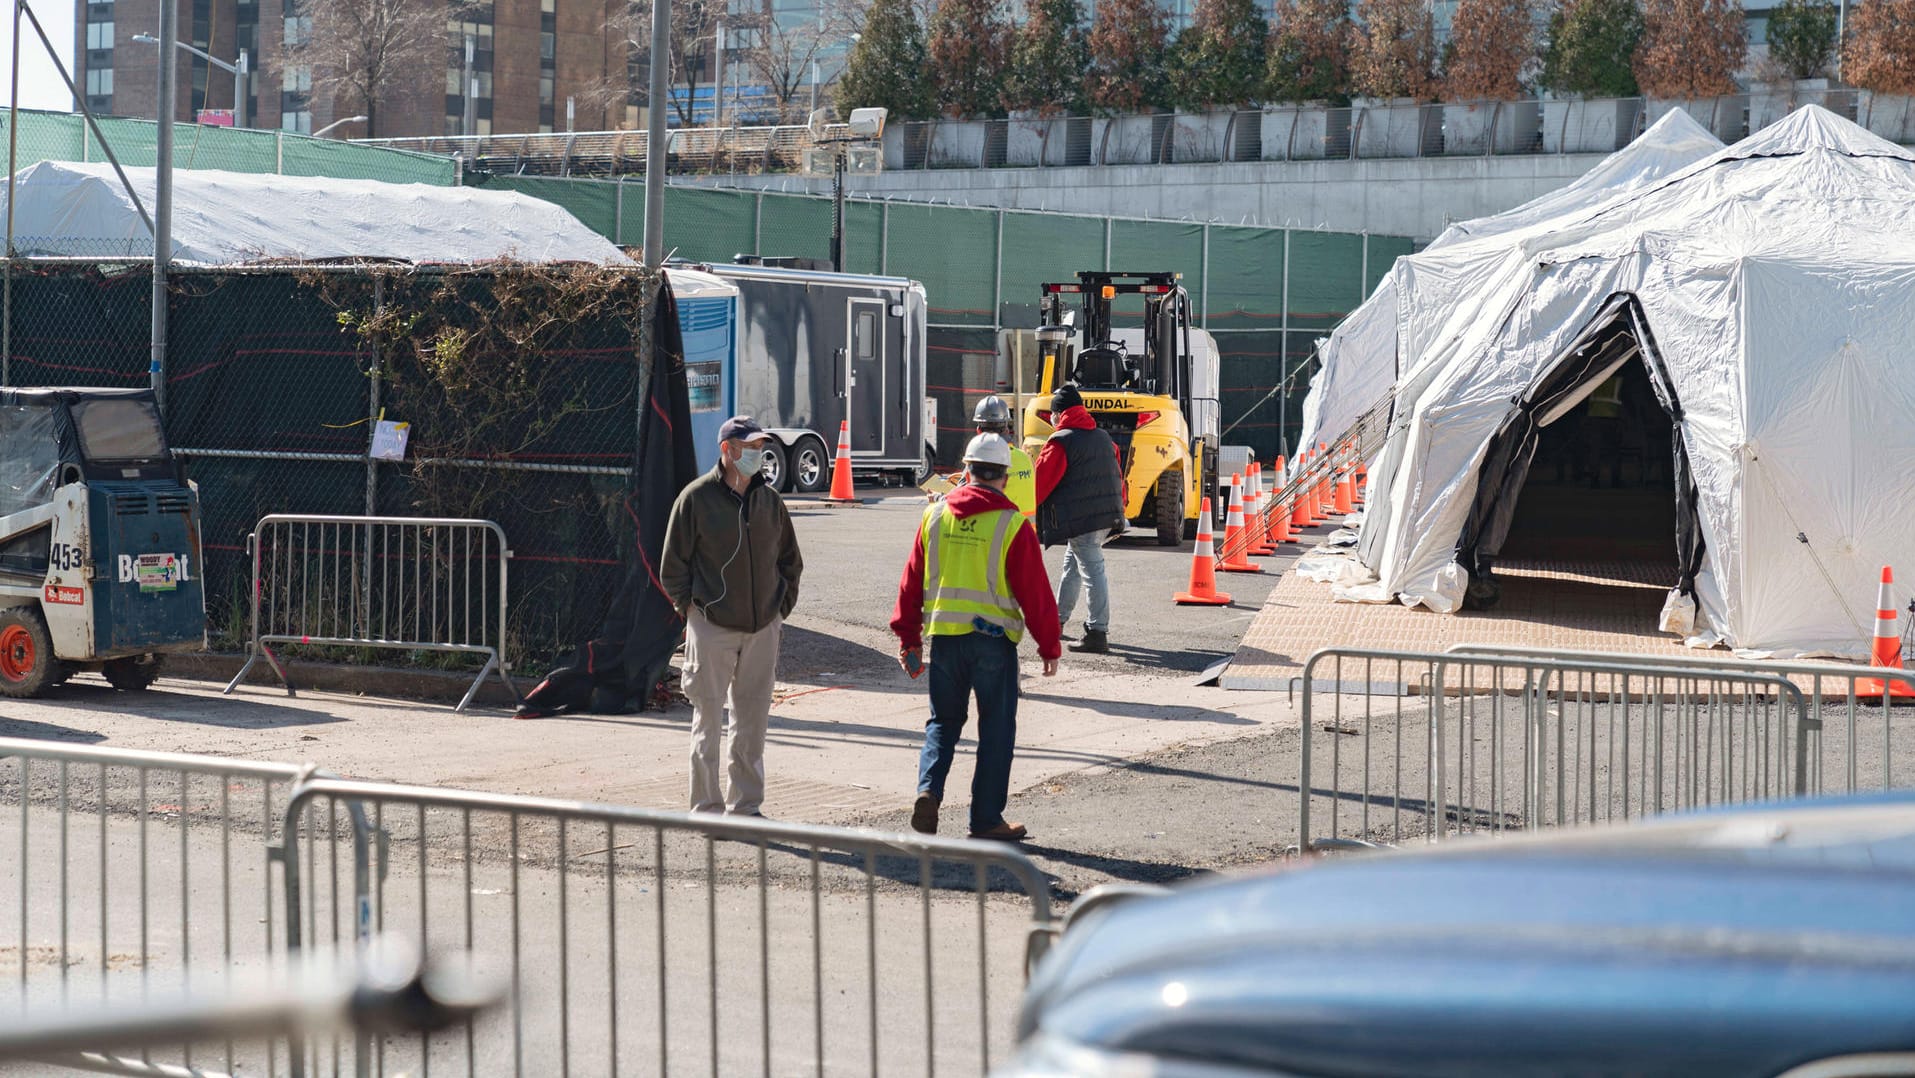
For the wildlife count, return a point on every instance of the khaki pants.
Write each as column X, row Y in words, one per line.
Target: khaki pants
column 728, row 668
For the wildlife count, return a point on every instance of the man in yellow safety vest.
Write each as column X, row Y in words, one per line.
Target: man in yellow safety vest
column 974, row 583
column 993, row 416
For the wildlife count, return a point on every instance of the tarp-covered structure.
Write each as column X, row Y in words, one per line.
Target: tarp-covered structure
column 63, row 208
column 1768, row 290
column 1360, row 360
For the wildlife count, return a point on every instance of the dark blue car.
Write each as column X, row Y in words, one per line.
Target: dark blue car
column 1764, row 941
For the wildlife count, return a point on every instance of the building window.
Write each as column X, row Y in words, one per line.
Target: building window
column 298, row 29
column 99, row 82
column 547, row 46
column 296, row 79
column 99, row 35
column 299, row 121
column 549, row 7
column 545, row 90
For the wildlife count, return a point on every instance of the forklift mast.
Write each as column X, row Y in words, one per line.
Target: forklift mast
column 1166, row 316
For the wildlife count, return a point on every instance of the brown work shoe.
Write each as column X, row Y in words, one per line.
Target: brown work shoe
column 1005, row 831
column 924, row 815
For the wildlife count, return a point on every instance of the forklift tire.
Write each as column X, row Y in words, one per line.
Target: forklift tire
column 27, row 663
column 134, row 674
column 1170, row 509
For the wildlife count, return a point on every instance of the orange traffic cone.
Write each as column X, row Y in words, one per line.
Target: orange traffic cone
column 1257, row 520
column 1888, row 643
column 1344, row 503
column 1203, row 568
column 1236, row 538
column 841, row 491
column 1281, row 533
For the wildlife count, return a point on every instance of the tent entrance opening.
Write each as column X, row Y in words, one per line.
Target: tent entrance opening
column 1601, row 486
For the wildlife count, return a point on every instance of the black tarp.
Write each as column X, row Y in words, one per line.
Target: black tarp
column 621, row 668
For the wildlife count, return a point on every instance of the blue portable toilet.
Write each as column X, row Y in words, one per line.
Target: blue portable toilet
column 708, row 322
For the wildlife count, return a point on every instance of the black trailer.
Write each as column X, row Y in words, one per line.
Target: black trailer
column 817, row 348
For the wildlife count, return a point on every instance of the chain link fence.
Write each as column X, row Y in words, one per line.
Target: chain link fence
column 1266, row 294
column 520, row 388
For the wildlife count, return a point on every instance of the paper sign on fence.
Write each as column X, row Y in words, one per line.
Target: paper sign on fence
column 389, row 440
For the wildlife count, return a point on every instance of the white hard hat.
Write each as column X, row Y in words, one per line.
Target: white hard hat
column 988, row 449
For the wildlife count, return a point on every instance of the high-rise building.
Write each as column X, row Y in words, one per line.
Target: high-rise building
column 527, row 60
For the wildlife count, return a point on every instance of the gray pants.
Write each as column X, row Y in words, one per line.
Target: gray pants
column 728, row 668
column 1084, row 568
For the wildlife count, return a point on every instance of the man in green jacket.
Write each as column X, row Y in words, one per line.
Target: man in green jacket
column 731, row 566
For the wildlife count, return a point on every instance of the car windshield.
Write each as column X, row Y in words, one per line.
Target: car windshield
column 119, row 430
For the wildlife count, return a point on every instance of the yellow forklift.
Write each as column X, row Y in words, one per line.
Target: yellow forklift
column 1151, row 385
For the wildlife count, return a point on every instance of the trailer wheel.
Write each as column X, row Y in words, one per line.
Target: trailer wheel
column 810, row 466
column 1170, row 509
column 27, row 664
column 777, row 469
column 134, row 674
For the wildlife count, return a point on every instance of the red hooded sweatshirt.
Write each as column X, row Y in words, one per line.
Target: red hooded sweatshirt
column 1024, row 571
column 1050, row 460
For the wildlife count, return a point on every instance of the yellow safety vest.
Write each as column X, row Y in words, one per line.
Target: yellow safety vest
column 1021, row 487
column 965, row 589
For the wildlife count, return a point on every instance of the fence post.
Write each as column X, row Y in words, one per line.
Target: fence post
column 884, row 238
column 758, row 223
column 1203, row 291
column 1283, row 347
column 997, row 276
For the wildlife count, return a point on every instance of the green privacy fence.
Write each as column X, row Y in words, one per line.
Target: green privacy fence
column 1266, row 294
column 62, row 136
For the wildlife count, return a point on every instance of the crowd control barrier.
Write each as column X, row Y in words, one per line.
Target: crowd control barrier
column 638, row 941
column 412, row 583
column 1399, row 744
column 1854, row 745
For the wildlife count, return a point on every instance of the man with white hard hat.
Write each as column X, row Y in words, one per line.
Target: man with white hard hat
column 975, row 583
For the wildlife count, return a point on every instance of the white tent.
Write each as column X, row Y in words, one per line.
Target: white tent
column 1768, row 290
column 234, row 218
column 1360, row 359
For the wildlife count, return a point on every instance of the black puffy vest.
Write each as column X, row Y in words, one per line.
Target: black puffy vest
column 1091, row 494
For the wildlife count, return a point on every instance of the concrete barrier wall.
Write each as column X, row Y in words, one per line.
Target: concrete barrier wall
column 1415, row 197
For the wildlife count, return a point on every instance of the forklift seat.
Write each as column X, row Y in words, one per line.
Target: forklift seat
column 1100, row 366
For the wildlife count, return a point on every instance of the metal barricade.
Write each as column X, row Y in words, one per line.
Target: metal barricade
column 1467, row 742
column 412, row 583
column 1856, row 716
column 137, row 875
column 705, row 943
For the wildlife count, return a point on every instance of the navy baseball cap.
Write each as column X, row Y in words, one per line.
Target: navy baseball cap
column 740, row 428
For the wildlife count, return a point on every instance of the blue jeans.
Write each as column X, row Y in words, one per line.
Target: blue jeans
column 960, row 666
column 1084, row 566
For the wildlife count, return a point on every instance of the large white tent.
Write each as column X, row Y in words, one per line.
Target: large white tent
column 1769, row 291
column 236, row 218
column 1360, row 359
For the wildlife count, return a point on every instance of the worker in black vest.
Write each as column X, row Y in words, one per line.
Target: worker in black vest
column 1080, row 500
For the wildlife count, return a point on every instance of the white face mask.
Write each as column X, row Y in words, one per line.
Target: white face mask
column 751, row 460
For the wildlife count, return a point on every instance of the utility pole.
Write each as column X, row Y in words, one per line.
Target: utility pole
column 239, row 90
column 655, row 135
column 163, row 192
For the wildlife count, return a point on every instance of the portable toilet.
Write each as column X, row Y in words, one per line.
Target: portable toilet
column 708, row 322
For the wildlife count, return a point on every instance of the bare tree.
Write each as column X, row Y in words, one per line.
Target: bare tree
column 783, row 52
column 1880, row 53
column 693, row 23
column 359, row 51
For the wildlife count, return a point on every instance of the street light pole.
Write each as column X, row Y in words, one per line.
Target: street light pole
column 163, row 193
column 238, row 71
column 655, row 135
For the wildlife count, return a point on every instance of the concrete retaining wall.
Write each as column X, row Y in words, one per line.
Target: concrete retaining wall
column 1415, row 197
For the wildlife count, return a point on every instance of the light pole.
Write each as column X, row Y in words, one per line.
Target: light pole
column 864, row 127
column 339, row 123
column 238, row 71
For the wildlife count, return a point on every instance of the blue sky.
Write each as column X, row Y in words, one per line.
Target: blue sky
column 40, row 86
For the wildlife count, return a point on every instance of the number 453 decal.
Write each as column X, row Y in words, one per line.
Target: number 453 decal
column 67, row 556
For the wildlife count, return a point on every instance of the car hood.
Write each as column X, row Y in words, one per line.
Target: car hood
column 1732, row 943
